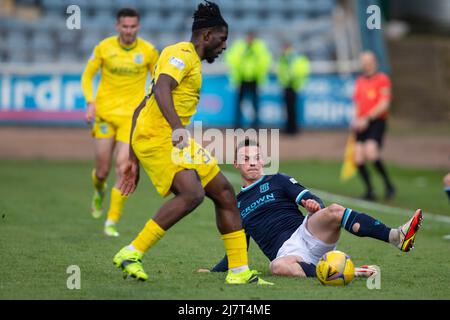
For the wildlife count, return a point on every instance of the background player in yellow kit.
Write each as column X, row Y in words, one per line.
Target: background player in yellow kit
column 174, row 162
column 125, row 62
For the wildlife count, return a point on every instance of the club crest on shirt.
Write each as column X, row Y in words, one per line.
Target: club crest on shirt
column 264, row 187
column 138, row 58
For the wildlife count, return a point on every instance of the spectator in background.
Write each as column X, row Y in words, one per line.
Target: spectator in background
column 372, row 99
column 249, row 62
column 292, row 72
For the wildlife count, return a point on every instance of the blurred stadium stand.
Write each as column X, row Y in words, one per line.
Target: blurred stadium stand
column 35, row 30
column 39, row 53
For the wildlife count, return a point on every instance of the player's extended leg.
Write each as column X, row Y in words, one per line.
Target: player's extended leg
column 323, row 225
column 294, row 266
column 291, row 266
column 326, row 223
column 362, row 169
column 104, row 148
column 117, row 201
column 220, row 191
column 189, row 194
column 372, row 151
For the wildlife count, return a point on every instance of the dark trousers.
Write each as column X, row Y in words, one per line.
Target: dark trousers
column 247, row 88
column 290, row 100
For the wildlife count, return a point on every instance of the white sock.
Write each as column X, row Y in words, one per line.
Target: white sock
column 239, row 269
column 394, row 237
column 131, row 247
column 109, row 223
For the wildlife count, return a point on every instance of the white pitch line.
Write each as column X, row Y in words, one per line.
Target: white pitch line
column 367, row 205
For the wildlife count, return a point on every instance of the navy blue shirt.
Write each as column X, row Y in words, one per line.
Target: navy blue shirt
column 270, row 213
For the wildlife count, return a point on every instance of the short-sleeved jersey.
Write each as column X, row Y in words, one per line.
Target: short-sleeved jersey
column 181, row 62
column 124, row 72
column 269, row 210
column 369, row 91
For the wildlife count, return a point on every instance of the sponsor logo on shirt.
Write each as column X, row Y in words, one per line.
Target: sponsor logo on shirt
column 256, row 204
column 293, row 180
column 177, row 63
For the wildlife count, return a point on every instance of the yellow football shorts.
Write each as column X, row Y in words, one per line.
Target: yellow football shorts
column 161, row 161
column 118, row 127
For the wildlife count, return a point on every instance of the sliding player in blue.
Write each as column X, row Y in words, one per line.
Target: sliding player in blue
column 294, row 243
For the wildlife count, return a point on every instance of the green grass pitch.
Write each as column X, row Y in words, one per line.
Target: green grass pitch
column 46, row 226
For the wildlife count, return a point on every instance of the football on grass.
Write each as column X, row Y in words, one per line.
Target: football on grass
column 335, row 268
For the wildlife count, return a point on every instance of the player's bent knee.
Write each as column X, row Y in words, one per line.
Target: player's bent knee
column 335, row 212
column 336, row 208
column 226, row 197
column 226, row 187
column 285, row 268
column 277, row 267
column 193, row 197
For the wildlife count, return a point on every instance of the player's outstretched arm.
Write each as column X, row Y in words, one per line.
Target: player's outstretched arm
column 297, row 192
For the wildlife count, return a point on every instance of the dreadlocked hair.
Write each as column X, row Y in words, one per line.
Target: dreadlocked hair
column 207, row 15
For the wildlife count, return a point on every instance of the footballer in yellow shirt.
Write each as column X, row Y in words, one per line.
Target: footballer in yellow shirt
column 152, row 136
column 125, row 61
column 174, row 162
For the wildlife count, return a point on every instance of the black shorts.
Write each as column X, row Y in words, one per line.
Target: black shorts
column 375, row 131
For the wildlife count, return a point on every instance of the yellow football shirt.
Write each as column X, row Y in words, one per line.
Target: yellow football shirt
column 181, row 62
column 124, row 73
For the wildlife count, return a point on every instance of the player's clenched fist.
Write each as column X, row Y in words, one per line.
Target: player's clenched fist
column 311, row 205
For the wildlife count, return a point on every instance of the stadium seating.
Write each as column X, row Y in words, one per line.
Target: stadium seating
column 161, row 24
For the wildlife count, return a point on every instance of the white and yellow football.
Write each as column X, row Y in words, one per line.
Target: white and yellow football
column 335, row 268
